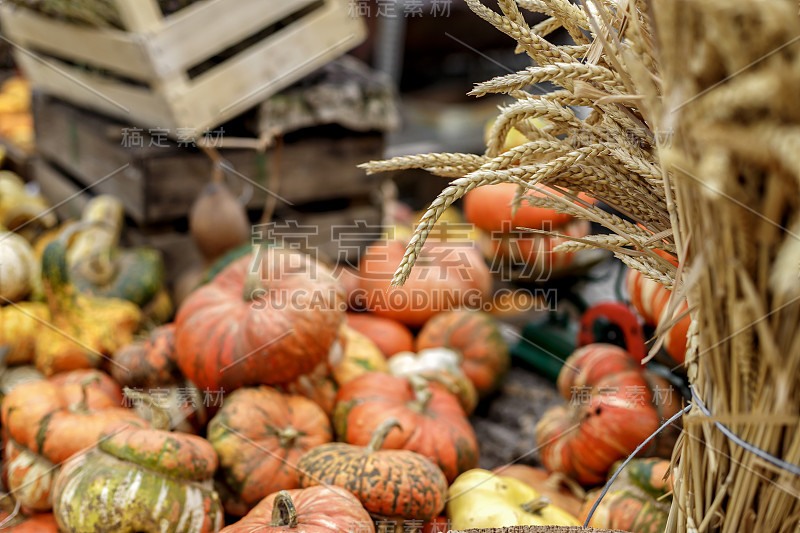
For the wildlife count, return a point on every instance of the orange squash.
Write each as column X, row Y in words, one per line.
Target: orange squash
column 444, row 277
column 431, row 419
column 389, row 335
column 259, row 435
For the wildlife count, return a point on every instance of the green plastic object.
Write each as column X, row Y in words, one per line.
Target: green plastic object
column 545, row 344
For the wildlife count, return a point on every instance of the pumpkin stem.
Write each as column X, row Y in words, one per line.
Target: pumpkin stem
column 287, row 436
column 422, row 393
column 284, row 512
column 536, row 505
column 252, row 281
column 160, row 416
column 83, row 405
column 557, row 480
column 381, row 432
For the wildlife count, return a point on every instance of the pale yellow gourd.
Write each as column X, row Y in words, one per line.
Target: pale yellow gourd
column 480, row 499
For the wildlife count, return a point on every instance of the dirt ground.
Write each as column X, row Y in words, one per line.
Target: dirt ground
column 504, row 423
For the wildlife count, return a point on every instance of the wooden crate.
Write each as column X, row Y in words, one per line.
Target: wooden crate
column 158, row 184
column 147, row 74
column 337, row 230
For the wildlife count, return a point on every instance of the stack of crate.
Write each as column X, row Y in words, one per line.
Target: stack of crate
column 120, row 112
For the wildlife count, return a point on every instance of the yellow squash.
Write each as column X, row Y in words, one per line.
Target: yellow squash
column 480, row 499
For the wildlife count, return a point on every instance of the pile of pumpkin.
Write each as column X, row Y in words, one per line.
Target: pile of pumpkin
column 16, row 120
column 229, row 413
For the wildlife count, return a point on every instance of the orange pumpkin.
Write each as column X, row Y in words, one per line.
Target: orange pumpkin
column 614, row 405
column 267, row 318
column 444, row 277
column 489, row 208
column 149, row 362
column 46, row 423
column 259, row 434
column 348, row 277
column 431, row 419
column 389, row 335
column 650, row 299
column 321, row 509
column 476, row 336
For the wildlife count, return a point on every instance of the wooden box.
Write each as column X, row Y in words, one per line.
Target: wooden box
column 186, row 72
column 157, row 184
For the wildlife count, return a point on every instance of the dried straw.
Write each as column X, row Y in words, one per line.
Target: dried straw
column 694, row 133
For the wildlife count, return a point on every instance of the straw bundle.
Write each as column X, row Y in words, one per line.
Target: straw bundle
column 731, row 73
column 694, row 134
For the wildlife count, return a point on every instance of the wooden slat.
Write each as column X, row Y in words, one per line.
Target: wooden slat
column 163, row 182
column 133, row 104
column 75, row 141
column 116, row 51
column 202, row 30
column 140, row 15
column 267, row 67
column 59, row 190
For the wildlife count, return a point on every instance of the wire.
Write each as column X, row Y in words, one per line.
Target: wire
column 613, row 478
column 780, row 463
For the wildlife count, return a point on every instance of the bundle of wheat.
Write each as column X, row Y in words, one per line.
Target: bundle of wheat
column 694, row 135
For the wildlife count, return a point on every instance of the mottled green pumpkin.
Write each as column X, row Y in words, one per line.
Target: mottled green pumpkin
column 140, row 481
column 47, row 422
column 639, row 501
column 388, row 483
column 135, row 275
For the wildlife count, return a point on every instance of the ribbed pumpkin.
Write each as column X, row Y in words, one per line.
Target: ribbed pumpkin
column 18, row 267
column 612, row 409
column 259, row 435
column 608, row 369
column 533, row 256
column 476, row 337
column 445, row 277
column 431, row 419
column 266, row 319
column 166, row 479
column 20, row 325
column 388, row 483
column 85, row 329
column 45, row 424
column 96, row 379
column 149, row 362
column 439, row 365
column 650, row 299
column 638, row 501
column 389, row 335
column 325, row 509
column 489, row 207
